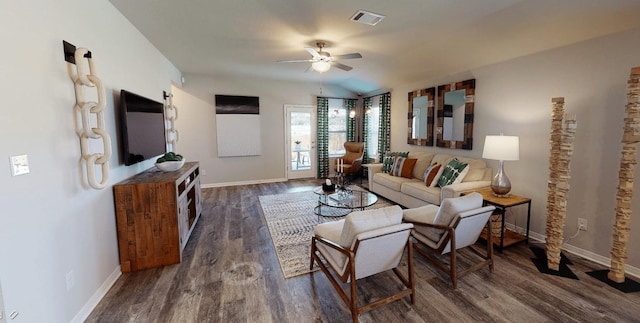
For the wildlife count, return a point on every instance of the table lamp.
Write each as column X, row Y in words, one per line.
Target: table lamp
column 501, row 148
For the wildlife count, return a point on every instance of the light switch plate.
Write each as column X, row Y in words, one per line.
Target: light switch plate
column 19, row 165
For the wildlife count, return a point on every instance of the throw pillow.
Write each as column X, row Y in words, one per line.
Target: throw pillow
column 434, row 182
column 389, row 158
column 430, row 174
column 451, row 172
column 403, row 166
column 462, row 175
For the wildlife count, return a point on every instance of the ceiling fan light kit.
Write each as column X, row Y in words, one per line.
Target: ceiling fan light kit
column 322, row 61
column 320, row 66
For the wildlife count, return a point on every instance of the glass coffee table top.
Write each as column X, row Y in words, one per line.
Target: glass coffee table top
column 342, row 202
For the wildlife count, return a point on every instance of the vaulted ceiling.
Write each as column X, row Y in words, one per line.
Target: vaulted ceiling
column 418, row 39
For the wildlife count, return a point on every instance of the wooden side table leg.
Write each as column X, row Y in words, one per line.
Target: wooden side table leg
column 528, row 220
column 503, row 212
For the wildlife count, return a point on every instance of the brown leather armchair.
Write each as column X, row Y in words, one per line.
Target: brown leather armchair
column 354, row 153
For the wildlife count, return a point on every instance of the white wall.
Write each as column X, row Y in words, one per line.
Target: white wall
column 196, row 124
column 51, row 222
column 514, row 97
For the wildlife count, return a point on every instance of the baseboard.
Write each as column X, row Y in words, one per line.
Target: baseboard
column 261, row 181
column 601, row 260
column 97, row 296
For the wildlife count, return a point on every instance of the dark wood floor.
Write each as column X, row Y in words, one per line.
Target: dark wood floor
column 230, row 273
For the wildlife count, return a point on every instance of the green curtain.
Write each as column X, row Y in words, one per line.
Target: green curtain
column 366, row 105
column 350, row 105
column 322, row 140
column 384, row 135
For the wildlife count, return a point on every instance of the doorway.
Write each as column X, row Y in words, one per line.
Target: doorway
column 2, row 315
column 300, row 141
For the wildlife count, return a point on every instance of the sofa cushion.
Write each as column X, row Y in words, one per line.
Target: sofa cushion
column 389, row 158
column 473, row 162
column 452, row 171
column 475, row 174
column 390, row 181
column 403, row 166
column 423, row 161
column 418, row 190
column 441, row 159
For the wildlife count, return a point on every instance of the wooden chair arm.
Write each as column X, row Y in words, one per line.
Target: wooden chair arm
column 346, row 251
column 431, row 225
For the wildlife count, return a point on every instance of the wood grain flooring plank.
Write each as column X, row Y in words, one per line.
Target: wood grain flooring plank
column 230, row 273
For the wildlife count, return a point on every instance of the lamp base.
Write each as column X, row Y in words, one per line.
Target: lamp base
column 500, row 195
column 500, row 185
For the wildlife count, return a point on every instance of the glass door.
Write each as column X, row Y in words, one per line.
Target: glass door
column 300, row 141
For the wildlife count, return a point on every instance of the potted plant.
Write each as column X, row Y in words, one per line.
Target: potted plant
column 170, row 162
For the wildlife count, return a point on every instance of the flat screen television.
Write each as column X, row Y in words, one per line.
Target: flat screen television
column 142, row 128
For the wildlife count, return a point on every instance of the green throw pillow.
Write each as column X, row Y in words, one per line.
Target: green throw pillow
column 451, row 172
column 389, row 158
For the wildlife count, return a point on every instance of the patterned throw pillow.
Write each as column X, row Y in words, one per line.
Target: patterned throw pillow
column 430, row 174
column 451, row 172
column 403, row 166
column 390, row 158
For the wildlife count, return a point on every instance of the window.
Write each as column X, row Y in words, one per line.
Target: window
column 337, row 127
column 373, row 128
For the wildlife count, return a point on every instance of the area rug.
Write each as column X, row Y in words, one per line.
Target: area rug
column 291, row 220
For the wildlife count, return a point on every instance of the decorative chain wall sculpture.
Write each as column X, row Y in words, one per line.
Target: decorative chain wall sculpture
column 171, row 115
column 559, row 175
column 630, row 138
column 81, row 69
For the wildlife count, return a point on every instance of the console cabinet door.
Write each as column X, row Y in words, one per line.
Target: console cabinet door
column 183, row 221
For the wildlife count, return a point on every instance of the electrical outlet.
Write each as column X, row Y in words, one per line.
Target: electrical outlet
column 71, row 280
column 582, row 224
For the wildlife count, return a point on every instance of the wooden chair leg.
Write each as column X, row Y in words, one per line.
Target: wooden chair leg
column 313, row 251
column 453, row 262
column 411, row 274
column 353, row 304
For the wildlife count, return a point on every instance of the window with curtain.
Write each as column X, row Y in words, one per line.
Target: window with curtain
column 372, row 127
column 338, row 116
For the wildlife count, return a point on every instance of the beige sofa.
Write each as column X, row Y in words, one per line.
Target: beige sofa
column 412, row 192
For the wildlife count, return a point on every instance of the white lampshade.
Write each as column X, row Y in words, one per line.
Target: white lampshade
column 320, row 66
column 501, row 148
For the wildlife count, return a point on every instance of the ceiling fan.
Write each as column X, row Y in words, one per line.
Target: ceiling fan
column 321, row 61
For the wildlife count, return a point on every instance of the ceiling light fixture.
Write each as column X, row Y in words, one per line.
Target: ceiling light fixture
column 320, row 66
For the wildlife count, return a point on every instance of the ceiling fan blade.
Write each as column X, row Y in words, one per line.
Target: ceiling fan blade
column 313, row 52
column 297, row 61
column 342, row 66
column 309, row 69
column 348, row 56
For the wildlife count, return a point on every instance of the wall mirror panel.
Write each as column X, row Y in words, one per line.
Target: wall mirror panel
column 421, row 117
column 455, row 115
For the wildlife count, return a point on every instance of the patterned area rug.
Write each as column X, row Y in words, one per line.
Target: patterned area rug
column 291, row 220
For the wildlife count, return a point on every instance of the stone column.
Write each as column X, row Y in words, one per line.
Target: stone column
column 630, row 137
column 555, row 224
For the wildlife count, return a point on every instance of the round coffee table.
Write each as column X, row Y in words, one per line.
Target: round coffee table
column 342, row 202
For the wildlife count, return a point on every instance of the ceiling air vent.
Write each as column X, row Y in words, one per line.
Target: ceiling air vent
column 367, row 18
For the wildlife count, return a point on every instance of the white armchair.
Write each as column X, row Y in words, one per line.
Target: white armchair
column 363, row 244
column 456, row 224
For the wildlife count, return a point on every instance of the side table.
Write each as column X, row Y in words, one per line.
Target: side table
column 507, row 237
